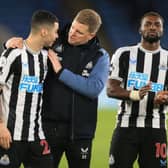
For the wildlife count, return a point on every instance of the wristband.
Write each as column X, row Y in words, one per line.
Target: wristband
column 134, row 95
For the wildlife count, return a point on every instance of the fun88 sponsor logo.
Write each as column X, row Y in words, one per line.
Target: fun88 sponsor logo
column 137, row 80
column 30, row 84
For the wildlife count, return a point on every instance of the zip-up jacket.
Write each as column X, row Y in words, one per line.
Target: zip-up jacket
column 71, row 96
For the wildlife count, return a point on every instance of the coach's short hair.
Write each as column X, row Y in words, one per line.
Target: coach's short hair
column 152, row 13
column 90, row 18
column 41, row 18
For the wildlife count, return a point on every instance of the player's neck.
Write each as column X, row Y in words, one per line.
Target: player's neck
column 150, row 46
column 33, row 43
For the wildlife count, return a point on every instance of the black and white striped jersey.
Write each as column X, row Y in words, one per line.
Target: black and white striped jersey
column 22, row 74
column 134, row 67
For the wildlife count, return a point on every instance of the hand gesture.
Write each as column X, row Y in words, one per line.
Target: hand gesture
column 161, row 97
column 144, row 90
column 5, row 136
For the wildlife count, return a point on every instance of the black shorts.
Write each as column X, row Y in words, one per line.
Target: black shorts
column 32, row 154
column 77, row 152
column 147, row 145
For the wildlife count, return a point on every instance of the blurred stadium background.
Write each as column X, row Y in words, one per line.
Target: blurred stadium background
column 120, row 27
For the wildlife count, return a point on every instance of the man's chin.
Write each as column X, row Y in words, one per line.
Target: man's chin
column 71, row 42
column 49, row 45
column 152, row 39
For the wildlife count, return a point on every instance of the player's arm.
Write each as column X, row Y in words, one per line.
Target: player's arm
column 5, row 70
column 117, row 77
column 115, row 90
column 14, row 42
column 5, row 136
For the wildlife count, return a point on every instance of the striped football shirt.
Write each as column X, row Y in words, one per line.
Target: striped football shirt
column 22, row 74
column 135, row 67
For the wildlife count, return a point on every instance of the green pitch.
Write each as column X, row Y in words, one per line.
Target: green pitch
column 101, row 143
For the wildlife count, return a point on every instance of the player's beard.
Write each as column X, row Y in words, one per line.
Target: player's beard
column 152, row 39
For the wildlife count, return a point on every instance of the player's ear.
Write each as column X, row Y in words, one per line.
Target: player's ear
column 91, row 35
column 140, row 31
column 43, row 32
column 140, row 28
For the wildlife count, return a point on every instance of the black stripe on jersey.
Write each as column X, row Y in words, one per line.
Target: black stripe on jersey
column 139, row 68
column 7, row 52
column 155, row 65
column 41, row 67
column 122, row 112
column 14, row 68
column 39, row 96
column 162, row 116
column 166, row 80
column 153, row 77
column 28, row 100
column 140, row 61
column 37, row 117
column 123, row 73
column 14, row 93
column 124, row 64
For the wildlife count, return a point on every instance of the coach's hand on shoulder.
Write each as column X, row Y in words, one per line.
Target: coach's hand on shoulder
column 14, row 42
column 54, row 60
column 5, row 136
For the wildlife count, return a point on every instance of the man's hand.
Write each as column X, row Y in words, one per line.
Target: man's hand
column 137, row 95
column 14, row 42
column 5, row 136
column 144, row 90
column 161, row 98
column 54, row 60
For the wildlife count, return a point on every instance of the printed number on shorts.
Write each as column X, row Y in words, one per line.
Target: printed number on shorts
column 46, row 149
column 160, row 150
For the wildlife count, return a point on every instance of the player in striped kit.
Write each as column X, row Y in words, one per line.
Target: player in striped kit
column 22, row 73
column 138, row 74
